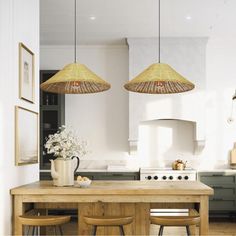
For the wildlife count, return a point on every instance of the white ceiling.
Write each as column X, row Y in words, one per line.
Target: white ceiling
column 119, row 19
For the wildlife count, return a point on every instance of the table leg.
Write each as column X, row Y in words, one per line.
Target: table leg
column 140, row 211
column 84, row 209
column 142, row 218
column 18, row 210
column 204, row 217
column 192, row 212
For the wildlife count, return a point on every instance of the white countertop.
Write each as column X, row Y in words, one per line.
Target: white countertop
column 102, row 170
column 137, row 170
column 218, row 170
column 110, row 170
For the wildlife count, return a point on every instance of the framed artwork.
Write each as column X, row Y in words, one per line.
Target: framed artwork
column 27, row 136
column 26, row 73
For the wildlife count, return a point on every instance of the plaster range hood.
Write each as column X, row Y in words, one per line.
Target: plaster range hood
column 198, row 134
column 190, row 106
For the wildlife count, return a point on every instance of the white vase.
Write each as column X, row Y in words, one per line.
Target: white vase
column 62, row 171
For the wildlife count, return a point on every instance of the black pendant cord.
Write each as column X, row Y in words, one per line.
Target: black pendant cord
column 159, row 32
column 75, row 31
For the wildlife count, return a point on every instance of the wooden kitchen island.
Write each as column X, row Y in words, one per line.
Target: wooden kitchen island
column 114, row 198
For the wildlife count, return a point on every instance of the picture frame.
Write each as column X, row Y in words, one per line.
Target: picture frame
column 26, row 136
column 26, row 74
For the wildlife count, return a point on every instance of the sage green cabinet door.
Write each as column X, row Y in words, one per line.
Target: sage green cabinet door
column 224, row 185
column 110, row 175
column 221, row 204
column 218, row 179
column 120, row 176
column 224, row 192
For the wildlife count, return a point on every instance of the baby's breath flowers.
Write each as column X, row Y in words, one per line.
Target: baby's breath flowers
column 65, row 144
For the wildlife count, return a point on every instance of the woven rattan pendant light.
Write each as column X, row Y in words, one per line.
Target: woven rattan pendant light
column 75, row 78
column 159, row 78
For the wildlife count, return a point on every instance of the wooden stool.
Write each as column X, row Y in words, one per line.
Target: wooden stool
column 37, row 221
column 118, row 221
column 174, row 221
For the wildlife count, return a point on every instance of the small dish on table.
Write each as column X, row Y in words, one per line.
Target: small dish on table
column 83, row 182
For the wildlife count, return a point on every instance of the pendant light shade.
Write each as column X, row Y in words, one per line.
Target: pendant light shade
column 75, row 78
column 159, row 78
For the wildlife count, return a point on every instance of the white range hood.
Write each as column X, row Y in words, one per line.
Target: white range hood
column 186, row 55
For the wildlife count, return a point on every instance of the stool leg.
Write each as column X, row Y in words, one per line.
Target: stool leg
column 28, row 230
column 161, row 230
column 60, row 229
column 94, row 230
column 122, row 232
column 55, row 230
column 32, row 227
column 34, row 230
column 188, row 231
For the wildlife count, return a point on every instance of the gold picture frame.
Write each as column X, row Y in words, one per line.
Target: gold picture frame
column 26, row 74
column 26, row 136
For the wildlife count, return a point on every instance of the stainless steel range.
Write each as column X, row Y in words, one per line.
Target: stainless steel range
column 167, row 174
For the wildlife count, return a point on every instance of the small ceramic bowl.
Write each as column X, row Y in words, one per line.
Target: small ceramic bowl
column 84, row 184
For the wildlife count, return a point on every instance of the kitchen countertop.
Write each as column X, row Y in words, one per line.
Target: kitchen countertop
column 118, row 187
column 217, row 170
column 110, row 170
column 137, row 170
column 103, row 170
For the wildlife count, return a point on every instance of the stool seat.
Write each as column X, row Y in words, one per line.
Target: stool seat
column 175, row 220
column 108, row 220
column 34, row 220
column 186, row 221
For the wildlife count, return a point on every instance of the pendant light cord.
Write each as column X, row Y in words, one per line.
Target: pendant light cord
column 75, row 31
column 159, row 32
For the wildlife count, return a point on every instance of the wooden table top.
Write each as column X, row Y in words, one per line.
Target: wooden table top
column 117, row 188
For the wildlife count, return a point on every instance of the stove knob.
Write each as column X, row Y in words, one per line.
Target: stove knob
column 186, row 177
column 156, row 177
column 171, row 177
column 164, row 177
column 180, row 177
column 149, row 177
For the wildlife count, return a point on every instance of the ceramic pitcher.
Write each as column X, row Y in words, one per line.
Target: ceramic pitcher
column 62, row 171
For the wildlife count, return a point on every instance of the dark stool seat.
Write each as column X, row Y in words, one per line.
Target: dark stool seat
column 37, row 221
column 118, row 221
column 175, row 221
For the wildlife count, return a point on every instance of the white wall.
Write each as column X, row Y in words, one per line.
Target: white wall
column 161, row 141
column 100, row 118
column 19, row 22
column 220, row 87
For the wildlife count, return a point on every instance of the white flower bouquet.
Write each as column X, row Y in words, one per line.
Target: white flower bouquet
column 65, row 144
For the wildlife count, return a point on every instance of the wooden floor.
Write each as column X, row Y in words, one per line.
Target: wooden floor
column 217, row 227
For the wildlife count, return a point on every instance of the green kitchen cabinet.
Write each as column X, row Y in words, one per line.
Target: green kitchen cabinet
column 99, row 175
column 52, row 116
column 111, row 175
column 223, row 202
